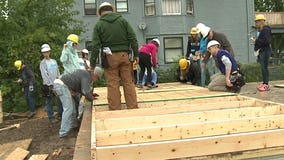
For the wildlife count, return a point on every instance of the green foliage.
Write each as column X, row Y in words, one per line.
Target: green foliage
column 25, row 25
column 269, row 5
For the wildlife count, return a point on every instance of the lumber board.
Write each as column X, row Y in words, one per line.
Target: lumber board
column 193, row 147
column 18, row 154
column 93, row 135
column 187, row 117
column 188, row 130
column 7, row 148
column 83, row 142
column 189, row 100
column 279, row 85
column 39, row 157
column 175, row 108
column 179, row 94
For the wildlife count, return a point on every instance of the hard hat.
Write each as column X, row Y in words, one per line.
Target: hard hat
column 156, row 40
column 73, row 38
column 183, row 63
column 85, row 51
column 194, row 30
column 259, row 17
column 45, row 48
column 212, row 43
column 104, row 4
column 18, row 64
column 99, row 72
column 204, row 30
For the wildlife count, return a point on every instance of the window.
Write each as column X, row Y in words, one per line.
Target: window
column 90, row 7
column 121, row 5
column 173, row 49
column 150, row 9
column 189, row 7
column 171, row 7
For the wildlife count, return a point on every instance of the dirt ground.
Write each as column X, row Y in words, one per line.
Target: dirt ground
column 44, row 135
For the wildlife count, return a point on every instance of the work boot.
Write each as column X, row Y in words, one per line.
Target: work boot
column 31, row 114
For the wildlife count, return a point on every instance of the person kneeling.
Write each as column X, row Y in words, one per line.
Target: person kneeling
column 188, row 71
column 230, row 78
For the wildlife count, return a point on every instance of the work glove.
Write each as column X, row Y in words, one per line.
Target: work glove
column 19, row 80
column 31, row 88
column 95, row 95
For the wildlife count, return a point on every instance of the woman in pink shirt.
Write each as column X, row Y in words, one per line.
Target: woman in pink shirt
column 147, row 59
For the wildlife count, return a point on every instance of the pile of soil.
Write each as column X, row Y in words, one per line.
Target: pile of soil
column 44, row 135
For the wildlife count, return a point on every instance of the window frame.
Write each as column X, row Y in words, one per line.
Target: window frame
column 145, row 4
column 172, row 48
column 120, row 1
column 191, row 11
column 91, row 13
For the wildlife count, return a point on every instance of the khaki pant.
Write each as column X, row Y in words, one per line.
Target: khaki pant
column 120, row 69
column 218, row 83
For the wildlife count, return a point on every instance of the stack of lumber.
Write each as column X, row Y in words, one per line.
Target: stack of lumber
column 179, row 120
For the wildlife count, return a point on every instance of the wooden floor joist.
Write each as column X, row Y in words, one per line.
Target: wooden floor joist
column 180, row 120
column 193, row 147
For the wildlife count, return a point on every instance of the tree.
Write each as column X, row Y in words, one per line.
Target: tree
column 269, row 5
column 25, row 25
column 273, row 6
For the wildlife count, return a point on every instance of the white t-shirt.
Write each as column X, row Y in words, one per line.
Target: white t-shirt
column 82, row 65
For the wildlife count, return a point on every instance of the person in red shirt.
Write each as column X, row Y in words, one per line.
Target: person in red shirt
column 148, row 59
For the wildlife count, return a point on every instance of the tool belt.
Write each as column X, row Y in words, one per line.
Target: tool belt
column 238, row 80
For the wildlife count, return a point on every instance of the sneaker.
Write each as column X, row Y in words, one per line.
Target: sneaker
column 31, row 114
column 263, row 87
column 139, row 86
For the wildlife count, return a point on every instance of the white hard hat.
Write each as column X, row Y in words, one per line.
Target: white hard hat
column 203, row 29
column 45, row 48
column 212, row 43
column 104, row 4
column 156, row 40
column 85, row 51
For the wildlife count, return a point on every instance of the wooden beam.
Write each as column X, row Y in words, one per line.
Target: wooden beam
column 18, row 154
column 39, row 157
column 193, row 147
column 83, row 142
column 188, row 130
column 169, row 96
column 188, row 117
column 176, row 107
column 180, row 101
column 93, row 134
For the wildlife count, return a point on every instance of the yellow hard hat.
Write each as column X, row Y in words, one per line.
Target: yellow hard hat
column 18, row 64
column 260, row 17
column 194, row 30
column 73, row 38
column 183, row 63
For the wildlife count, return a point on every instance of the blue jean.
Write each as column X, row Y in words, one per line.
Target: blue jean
column 69, row 119
column 211, row 69
column 263, row 59
column 29, row 98
column 49, row 106
column 154, row 78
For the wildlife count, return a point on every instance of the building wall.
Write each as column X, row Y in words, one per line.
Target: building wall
column 231, row 17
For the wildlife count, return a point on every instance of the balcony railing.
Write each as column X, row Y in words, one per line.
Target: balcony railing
column 273, row 18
